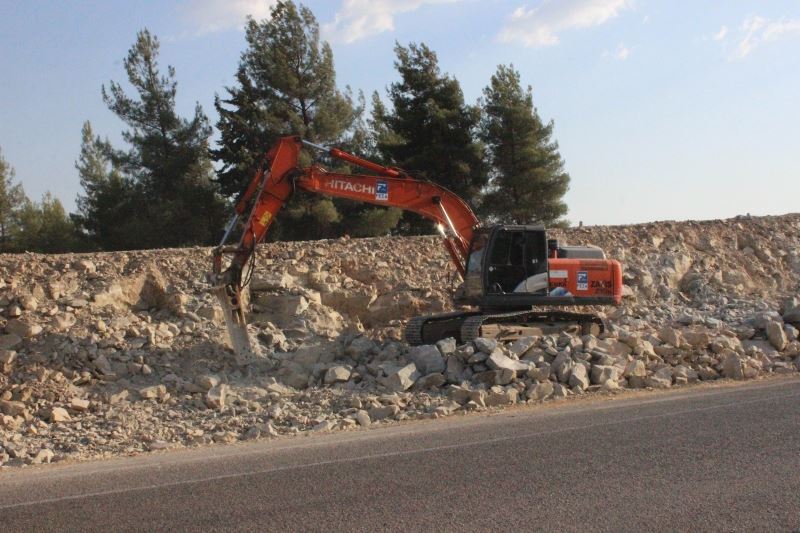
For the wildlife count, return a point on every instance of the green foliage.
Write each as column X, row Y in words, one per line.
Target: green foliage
column 159, row 191
column 44, row 227
column 325, row 212
column 30, row 226
column 286, row 85
column 375, row 222
column 528, row 181
column 106, row 207
column 430, row 130
column 12, row 200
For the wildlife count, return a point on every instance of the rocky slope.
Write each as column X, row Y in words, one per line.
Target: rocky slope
column 119, row 353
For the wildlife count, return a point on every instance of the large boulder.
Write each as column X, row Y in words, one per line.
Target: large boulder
column 500, row 396
column 579, row 377
column 495, row 377
column 485, row 345
column 660, row 379
column 430, row 381
column 458, row 394
column 58, row 414
column 732, row 367
column 614, row 347
column 383, row 412
column 454, row 370
column 562, row 366
column 401, row 379
column 671, row 336
column 215, row 397
column 603, row 373
column 498, row 361
column 777, row 336
column 540, row 391
column 684, row 374
column 336, row 374
column 428, row 359
column 521, row 346
column 447, row 346
column 636, row 372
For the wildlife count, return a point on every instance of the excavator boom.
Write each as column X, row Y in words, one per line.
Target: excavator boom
column 271, row 188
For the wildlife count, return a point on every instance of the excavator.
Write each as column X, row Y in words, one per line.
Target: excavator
column 513, row 275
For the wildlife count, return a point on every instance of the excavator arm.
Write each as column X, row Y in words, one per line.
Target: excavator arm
column 272, row 187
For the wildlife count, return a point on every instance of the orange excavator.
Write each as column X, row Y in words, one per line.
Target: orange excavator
column 513, row 274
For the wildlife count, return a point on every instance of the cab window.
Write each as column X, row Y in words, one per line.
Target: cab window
column 508, row 249
column 500, row 249
column 536, row 252
column 477, row 249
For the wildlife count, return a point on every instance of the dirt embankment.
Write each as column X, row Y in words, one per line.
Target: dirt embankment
column 118, row 353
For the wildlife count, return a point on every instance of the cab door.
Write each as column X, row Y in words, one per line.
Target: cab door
column 536, row 275
column 506, row 261
column 474, row 279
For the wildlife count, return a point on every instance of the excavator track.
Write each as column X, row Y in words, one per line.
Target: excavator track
column 466, row 326
column 547, row 321
column 428, row 329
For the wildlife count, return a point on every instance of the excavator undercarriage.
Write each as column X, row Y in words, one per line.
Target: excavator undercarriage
column 466, row 326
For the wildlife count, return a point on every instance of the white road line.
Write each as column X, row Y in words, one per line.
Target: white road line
column 392, row 454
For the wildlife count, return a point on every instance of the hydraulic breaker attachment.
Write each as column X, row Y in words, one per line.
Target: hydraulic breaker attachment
column 244, row 347
column 229, row 294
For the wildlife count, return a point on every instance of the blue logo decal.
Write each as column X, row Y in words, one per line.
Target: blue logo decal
column 382, row 190
column 583, row 281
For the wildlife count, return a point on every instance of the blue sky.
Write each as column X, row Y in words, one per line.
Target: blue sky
column 663, row 109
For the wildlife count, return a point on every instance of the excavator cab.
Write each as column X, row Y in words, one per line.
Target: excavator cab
column 506, row 259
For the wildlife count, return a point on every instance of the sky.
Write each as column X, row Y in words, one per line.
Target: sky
column 663, row 109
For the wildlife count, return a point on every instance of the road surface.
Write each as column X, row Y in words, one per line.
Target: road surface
column 705, row 458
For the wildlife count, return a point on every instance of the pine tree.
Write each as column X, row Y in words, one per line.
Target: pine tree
column 528, row 181
column 430, row 130
column 12, row 199
column 286, row 85
column 172, row 200
column 44, row 227
column 106, row 206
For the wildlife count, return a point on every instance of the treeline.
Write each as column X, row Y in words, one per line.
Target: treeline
column 162, row 189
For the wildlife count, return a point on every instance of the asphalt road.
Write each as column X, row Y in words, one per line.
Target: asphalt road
column 704, row 458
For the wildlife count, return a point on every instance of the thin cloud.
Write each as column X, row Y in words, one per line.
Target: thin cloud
column 751, row 28
column 621, row 53
column 210, row 16
column 541, row 25
column 358, row 19
column 775, row 30
column 723, row 31
column 755, row 30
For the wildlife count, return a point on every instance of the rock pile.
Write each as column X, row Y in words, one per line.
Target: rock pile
column 119, row 353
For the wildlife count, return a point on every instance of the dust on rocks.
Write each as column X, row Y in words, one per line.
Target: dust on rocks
column 123, row 353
